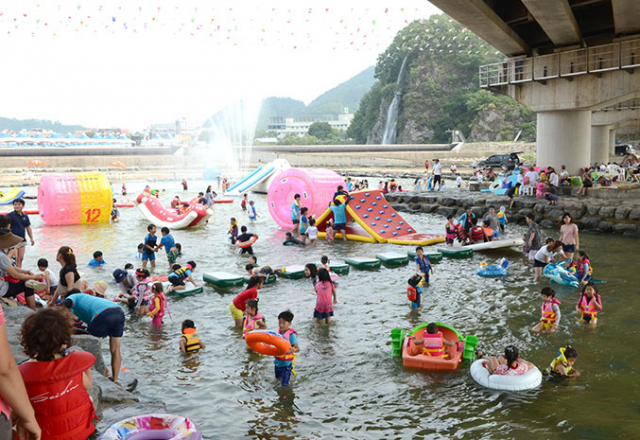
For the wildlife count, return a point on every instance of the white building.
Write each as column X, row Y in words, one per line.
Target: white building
column 300, row 125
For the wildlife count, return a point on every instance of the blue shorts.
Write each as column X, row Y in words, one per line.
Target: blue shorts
column 284, row 373
column 496, row 232
column 339, row 226
column 569, row 248
column 150, row 257
column 108, row 323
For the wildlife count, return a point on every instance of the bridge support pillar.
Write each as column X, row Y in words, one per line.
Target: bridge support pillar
column 612, row 142
column 564, row 138
column 600, row 144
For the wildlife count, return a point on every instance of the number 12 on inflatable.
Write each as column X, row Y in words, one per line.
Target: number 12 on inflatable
column 74, row 198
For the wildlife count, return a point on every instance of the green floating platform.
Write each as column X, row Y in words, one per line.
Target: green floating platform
column 223, row 279
column 294, row 272
column 456, row 252
column 189, row 290
column 393, row 259
column 337, row 268
column 363, row 263
column 434, row 257
column 269, row 279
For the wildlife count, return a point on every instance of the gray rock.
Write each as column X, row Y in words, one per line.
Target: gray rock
column 516, row 219
column 468, row 201
column 478, row 211
column 590, row 222
column 634, row 214
column 555, row 214
column 605, row 226
column 401, row 207
column 527, row 203
column 428, row 208
column 478, row 202
column 607, row 211
column 576, row 214
column 444, row 211
column 113, row 393
column 427, row 198
column 128, row 380
column 415, row 207
column 15, row 314
column 547, row 224
column 96, row 394
column 525, row 212
column 622, row 212
column 411, row 199
column 540, row 207
column 446, row 201
column 18, row 354
column 538, row 218
column 624, row 227
column 116, row 413
column 594, row 209
column 93, row 346
column 635, row 235
column 575, row 207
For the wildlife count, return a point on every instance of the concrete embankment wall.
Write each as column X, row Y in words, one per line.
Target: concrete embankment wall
column 598, row 215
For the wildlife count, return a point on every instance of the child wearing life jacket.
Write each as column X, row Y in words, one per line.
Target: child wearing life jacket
column 158, row 306
column 488, row 232
column 233, row 230
column 423, row 267
column 588, row 305
column 56, row 378
column 476, row 233
column 329, row 230
column 180, row 274
column 584, row 271
column 252, row 319
column 502, row 218
column 562, row 365
column 142, row 291
column 450, row 230
column 190, row 341
column 284, row 363
column 550, row 309
column 509, row 365
column 414, row 291
column 432, row 342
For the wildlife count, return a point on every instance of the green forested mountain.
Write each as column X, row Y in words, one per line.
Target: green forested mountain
column 30, row 124
column 439, row 89
column 348, row 94
column 278, row 107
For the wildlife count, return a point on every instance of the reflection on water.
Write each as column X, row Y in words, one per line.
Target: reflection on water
column 348, row 385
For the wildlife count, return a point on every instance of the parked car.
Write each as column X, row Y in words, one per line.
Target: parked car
column 504, row 161
column 624, row 150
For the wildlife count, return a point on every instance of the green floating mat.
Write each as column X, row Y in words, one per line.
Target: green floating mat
column 294, row 272
column 434, row 257
column 269, row 279
column 223, row 279
column 189, row 290
column 456, row 252
column 393, row 258
column 363, row 263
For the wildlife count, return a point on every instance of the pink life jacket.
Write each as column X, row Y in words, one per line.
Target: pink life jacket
column 251, row 324
column 548, row 315
column 588, row 307
column 433, row 344
column 450, row 231
column 163, row 305
column 287, row 357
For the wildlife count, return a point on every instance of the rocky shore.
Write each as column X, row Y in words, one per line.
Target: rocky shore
column 620, row 216
column 113, row 402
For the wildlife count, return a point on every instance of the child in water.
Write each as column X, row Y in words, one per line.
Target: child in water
column 562, row 366
column 304, row 224
column 588, row 305
column 329, row 230
column 324, row 260
column 450, row 230
column 423, row 267
column 253, row 320
column 158, row 305
column 253, row 215
column 432, row 342
column 584, row 271
column 502, row 218
column 233, row 230
column 190, row 341
column 325, row 289
column 509, row 365
column 414, row 291
column 312, row 231
column 284, row 363
column 551, row 315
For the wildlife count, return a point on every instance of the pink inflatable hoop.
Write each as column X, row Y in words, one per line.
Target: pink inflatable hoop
column 316, row 187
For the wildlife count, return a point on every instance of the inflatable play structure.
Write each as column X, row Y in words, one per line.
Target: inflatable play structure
column 559, row 274
column 412, row 355
column 158, row 214
column 74, row 198
column 495, row 244
column 259, row 179
column 494, row 271
column 530, row 379
column 7, row 198
column 153, row 426
column 316, row 187
column 371, row 219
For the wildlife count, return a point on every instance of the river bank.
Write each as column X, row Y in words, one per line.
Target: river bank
column 593, row 214
column 113, row 402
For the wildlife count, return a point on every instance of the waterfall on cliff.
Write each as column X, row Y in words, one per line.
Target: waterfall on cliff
column 391, row 124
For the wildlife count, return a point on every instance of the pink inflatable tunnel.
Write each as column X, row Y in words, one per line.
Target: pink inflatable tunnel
column 316, row 187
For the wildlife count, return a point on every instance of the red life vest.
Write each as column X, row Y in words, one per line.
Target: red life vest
column 548, row 315
column 63, row 407
column 287, row 357
column 251, row 324
column 477, row 234
column 461, row 233
column 433, row 344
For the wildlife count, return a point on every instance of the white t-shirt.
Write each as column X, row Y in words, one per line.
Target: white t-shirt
column 437, row 169
column 5, row 263
column 540, row 255
column 564, row 174
column 533, row 177
column 53, row 278
column 312, row 231
column 459, row 181
column 553, row 179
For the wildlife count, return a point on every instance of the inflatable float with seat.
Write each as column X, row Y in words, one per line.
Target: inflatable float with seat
column 158, row 214
column 153, row 426
column 494, row 271
column 530, row 379
column 559, row 274
column 413, row 355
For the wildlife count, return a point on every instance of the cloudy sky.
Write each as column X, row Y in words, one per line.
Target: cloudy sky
column 134, row 62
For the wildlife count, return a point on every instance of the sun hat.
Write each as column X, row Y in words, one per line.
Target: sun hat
column 100, row 287
column 7, row 239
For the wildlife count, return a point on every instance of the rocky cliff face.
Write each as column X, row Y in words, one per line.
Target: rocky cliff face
column 501, row 121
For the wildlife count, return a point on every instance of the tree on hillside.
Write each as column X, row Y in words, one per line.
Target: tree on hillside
column 320, row 130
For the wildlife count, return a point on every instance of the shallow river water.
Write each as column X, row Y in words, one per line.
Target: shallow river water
column 348, row 386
